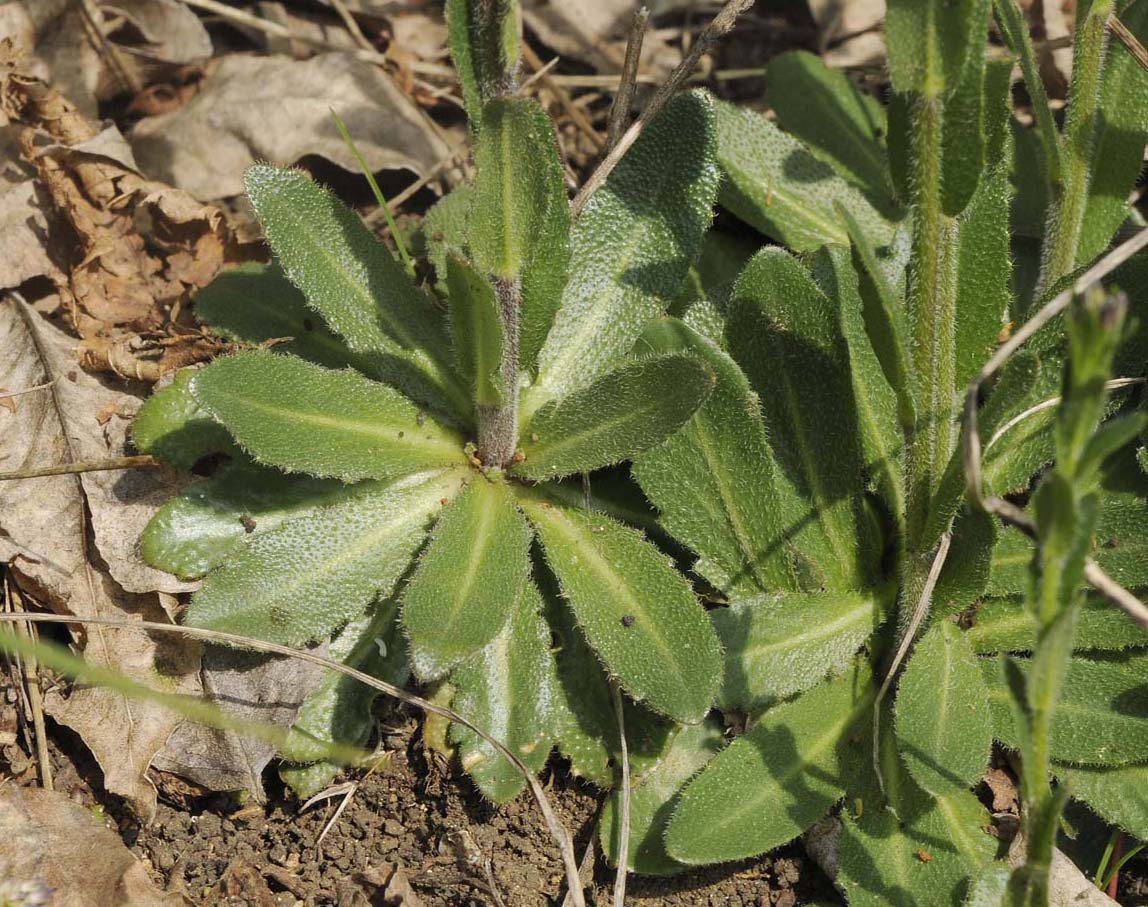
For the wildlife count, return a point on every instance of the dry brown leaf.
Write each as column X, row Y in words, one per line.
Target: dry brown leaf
column 278, row 109
column 383, row 886
column 45, row 538
column 51, row 845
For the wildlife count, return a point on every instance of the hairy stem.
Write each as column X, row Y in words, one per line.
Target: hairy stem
column 498, row 424
column 1066, row 221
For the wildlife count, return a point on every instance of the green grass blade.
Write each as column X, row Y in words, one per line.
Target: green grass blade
column 618, row 416
column 303, row 418
column 463, row 590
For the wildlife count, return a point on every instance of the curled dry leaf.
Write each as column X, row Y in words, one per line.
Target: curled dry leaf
column 278, row 109
column 52, row 846
column 72, row 567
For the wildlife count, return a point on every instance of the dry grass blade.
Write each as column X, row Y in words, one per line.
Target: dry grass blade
column 1131, row 44
column 620, row 109
column 972, row 448
column 624, row 815
column 30, row 677
column 721, row 25
column 571, row 109
column 65, row 469
column 559, row 832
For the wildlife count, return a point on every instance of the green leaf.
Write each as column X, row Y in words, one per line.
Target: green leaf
column 721, row 259
column 787, row 336
column 966, row 572
column 713, row 480
column 464, row 588
column 776, row 185
column 209, row 521
column 778, row 645
column 944, row 725
column 304, row 418
column 445, row 230
column 616, row 417
column 1117, row 795
column 175, row 429
column 1005, row 625
column 355, row 283
column 1101, row 717
column 339, row 709
column 771, row 784
column 969, row 114
column 476, row 328
column 639, row 615
column 483, row 39
column 507, row 689
column 652, row 801
column 519, row 227
column 633, row 245
column 254, row 303
column 838, row 123
column 301, row 580
column 930, row 42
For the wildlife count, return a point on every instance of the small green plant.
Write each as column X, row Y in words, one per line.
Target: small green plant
column 404, row 471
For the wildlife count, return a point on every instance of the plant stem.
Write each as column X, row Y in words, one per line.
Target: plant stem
column 1067, row 219
column 498, row 424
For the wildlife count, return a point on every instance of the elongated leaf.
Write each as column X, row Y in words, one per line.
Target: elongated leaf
column 615, row 418
column 445, row 231
column 971, row 111
column 633, row 245
column 467, row 581
column 507, row 689
column 722, row 257
column 930, row 41
column 1101, row 717
column 304, row 578
column 966, row 571
column 1006, row 625
column 652, row 801
column 713, row 479
column 175, row 429
column 786, row 335
column 778, row 645
column 840, row 125
column 944, row 724
column 1117, row 795
column 356, row 285
column 254, row 303
column 303, row 418
column 476, row 328
column 776, row 185
column 771, row 784
column 639, row 615
column 519, row 227
column 339, row 709
column 208, row 522
column 483, row 39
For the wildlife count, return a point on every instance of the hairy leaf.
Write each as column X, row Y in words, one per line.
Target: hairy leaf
column 771, row 784
column 355, row 283
column 209, row 521
column 1117, row 795
column 713, row 480
column 445, row 231
column 175, row 429
column 301, row 580
column 633, row 244
column 304, row 418
column 476, row 329
column 930, row 42
column 787, row 336
column 974, row 106
column 616, row 417
column 639, row 615
column 483, row 40
column 776, row 185
column 943, row 721
column 464, row 588
column 653, row 798
column 339, row 709
column 1006, row 625
column 838, row 123
column 1101, row 717
column 507, row 689
column 778, row 645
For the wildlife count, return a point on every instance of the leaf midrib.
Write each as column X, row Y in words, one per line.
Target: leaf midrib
column 484, row 540
column 863, row 608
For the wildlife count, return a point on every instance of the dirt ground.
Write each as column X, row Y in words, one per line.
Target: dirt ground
column 416, row 812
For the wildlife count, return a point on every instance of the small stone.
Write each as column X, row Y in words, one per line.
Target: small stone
column 393, row 827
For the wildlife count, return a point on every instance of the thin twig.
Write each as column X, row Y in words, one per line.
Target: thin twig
column 67, row 469
column 971, row 449
column 30, row 676
column 624, row 815
column 351, row 25
column 8, row 395
column 124, row 75
column 919, row 613
column 538, row 74
column 1114, row 384
column 577, row 116
column 401, row 199
column 717, row 28
column 624, row 99
column 1131, row 44
column 561, row 836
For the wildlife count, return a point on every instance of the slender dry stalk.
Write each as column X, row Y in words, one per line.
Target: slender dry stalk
column 624, row 813
column 80, row 466
column 627, row 83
